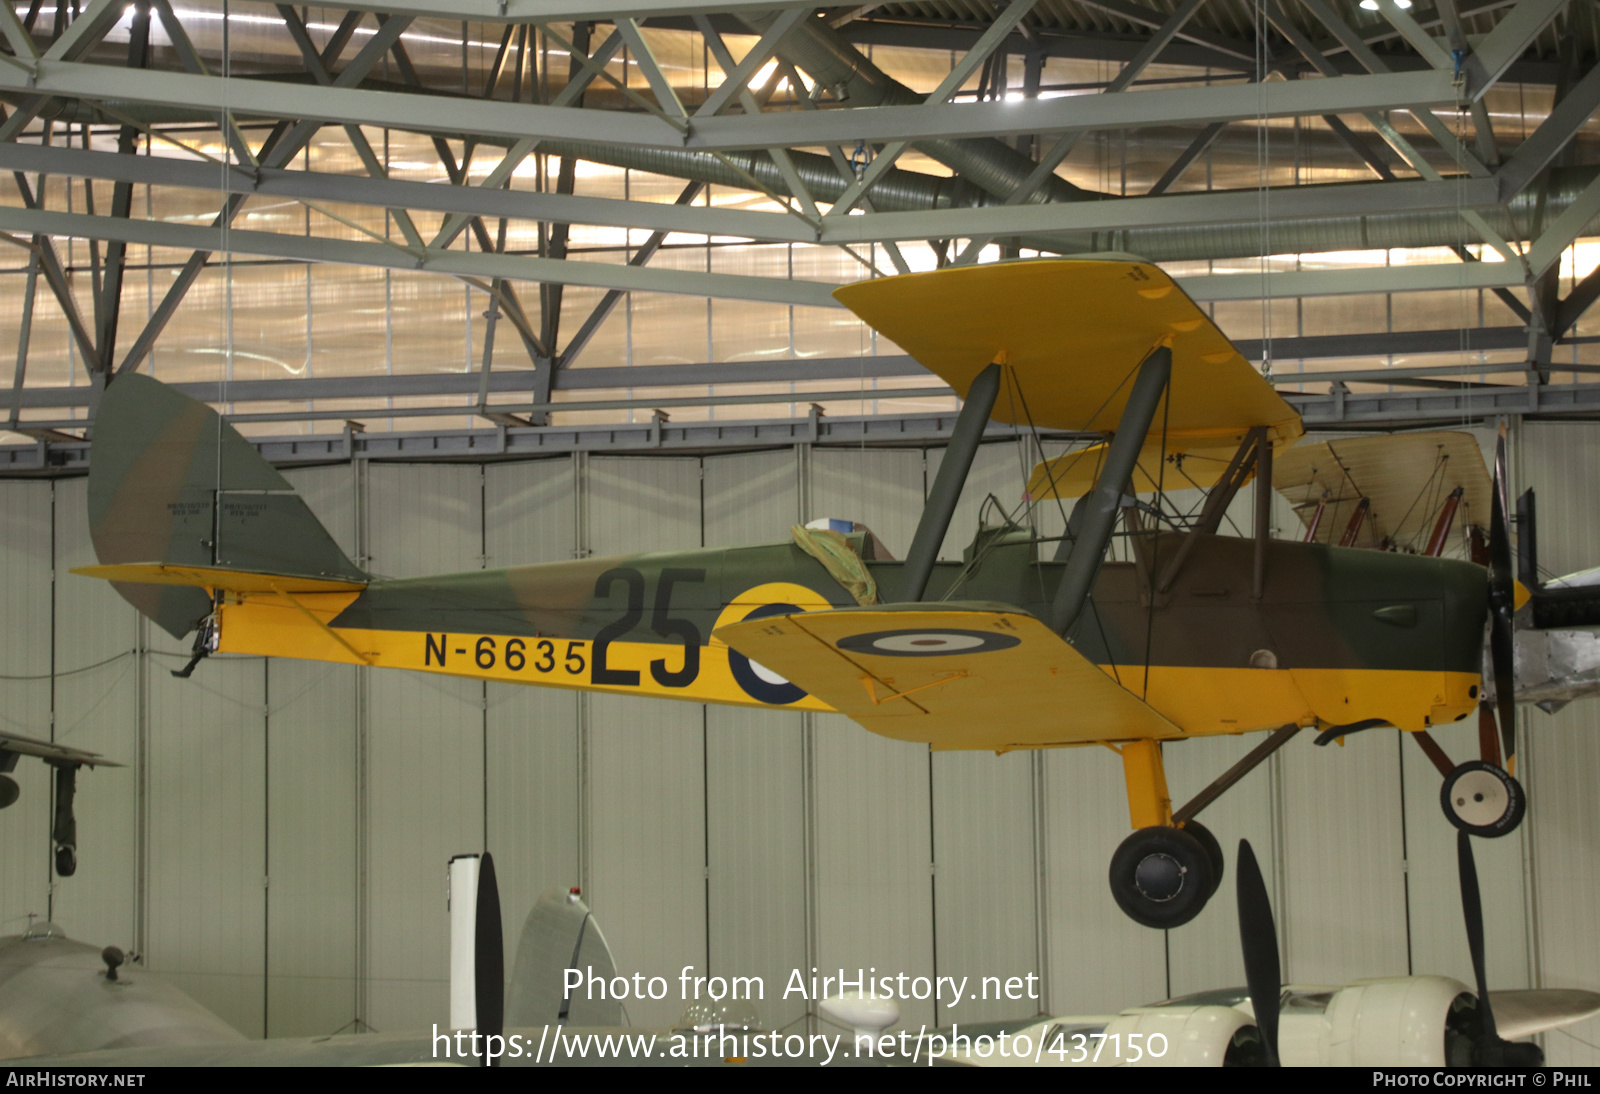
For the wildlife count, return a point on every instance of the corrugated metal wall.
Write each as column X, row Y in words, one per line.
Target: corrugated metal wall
column 278, row 841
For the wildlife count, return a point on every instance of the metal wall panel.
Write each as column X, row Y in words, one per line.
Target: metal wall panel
column 881, row 488
column 648, row 844
column 312, row 780
column 1558, row 754
column 97, row 700
column 1558, row 761
column 750, row 498
column 1342, row 914
column 756, row 853
column 531, row 797
column 531, row 790
column 755, row 771
column 313, row 852
column 207, row 836
column 1438, row 933
column 1204, row 953
column 25, row 694
column 1098, row 960
column 425, row 754
column 645, row 775
column 529, row 512
column 874, row 858
column 985, row 892
column 642, row 505
column 330, row 494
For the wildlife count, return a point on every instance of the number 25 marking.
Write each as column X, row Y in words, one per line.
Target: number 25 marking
column 660, row 621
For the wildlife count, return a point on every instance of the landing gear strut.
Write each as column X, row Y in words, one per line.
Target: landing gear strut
column 65, row 830
column 1165, row 872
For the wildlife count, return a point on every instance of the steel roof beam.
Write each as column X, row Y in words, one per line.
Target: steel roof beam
column 1154, row 18
column 201, row 239
column 724, row 374
column 1357, row 411
column 1216, row 207
column 1511, row 37
column 1355, row 281
column 448, row 115
column 556, row 11
column 455, row 263
column 1224, row 207
column 1545, row 143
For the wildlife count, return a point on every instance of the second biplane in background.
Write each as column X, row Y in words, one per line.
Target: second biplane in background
column 1012, row 648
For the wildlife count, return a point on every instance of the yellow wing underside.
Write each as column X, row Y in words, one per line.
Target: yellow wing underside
column 1010, row 682
column 1178, row 463
column 1405, row 476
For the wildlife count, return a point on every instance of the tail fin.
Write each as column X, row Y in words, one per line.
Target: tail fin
column 560, row 934
column 171, row 485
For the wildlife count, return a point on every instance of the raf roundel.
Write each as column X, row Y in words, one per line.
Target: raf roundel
column 758, row 681
column 926, row 643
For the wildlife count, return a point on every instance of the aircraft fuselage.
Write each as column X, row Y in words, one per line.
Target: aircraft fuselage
column 1339, row 637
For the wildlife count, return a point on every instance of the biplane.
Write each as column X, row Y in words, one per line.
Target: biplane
column 1024, row 644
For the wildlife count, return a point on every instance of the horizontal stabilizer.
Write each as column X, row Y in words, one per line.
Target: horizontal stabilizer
column 968, row 676
column 214, row 577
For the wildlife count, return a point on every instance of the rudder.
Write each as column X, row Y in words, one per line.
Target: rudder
column 171, row 483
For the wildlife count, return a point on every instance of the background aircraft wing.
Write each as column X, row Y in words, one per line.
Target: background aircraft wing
column 970, row 676
column 1405, row 476
column 50, row 752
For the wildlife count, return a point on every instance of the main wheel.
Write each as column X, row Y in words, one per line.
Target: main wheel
column 1213, row 851
column 1483, row 799
column 66, row 862
column 1161, row 877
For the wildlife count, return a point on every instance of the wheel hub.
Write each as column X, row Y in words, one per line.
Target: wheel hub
column 1479, row 798
column 1159, row 877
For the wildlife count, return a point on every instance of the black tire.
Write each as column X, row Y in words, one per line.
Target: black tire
column 66, row 862
column 1161, row 877
column 1213, row 851
column 1482, row 799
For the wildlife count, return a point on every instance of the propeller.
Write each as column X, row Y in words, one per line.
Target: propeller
column 1488, row 1049
column 488, row 959
column 1502, row 604
column 1258, row 937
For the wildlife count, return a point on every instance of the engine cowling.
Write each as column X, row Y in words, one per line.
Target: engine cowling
column 1201, row 1036
column 1396, row 1022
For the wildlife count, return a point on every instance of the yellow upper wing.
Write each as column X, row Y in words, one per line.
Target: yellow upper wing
column 1072, row 331
column 981, row 676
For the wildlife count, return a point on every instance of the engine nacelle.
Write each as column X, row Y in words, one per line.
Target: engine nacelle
column 1192, row 1037
column 1398, row 1022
